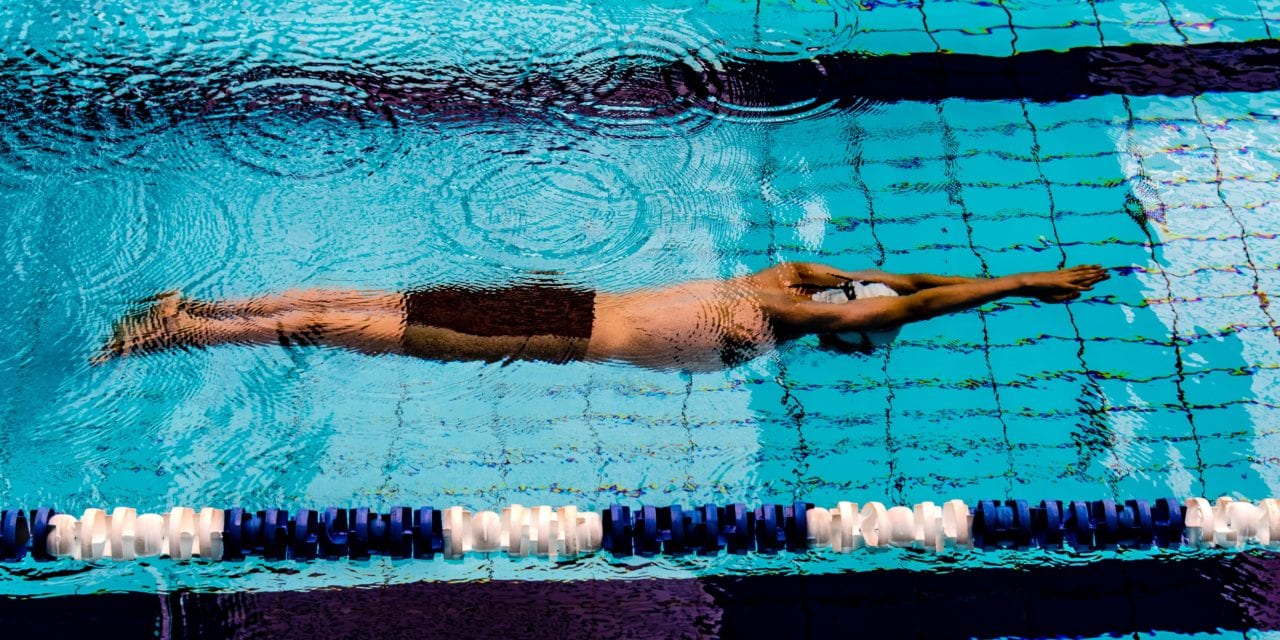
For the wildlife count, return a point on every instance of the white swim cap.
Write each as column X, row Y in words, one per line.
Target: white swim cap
column 861, row 291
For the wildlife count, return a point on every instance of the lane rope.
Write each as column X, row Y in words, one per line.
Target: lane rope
column 564, row 532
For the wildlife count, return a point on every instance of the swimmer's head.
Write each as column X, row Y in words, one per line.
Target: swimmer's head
column 855, row 341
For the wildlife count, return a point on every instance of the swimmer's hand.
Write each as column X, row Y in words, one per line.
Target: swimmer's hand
column 1064, row 284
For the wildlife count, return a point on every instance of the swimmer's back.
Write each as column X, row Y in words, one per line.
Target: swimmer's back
column 700, row 325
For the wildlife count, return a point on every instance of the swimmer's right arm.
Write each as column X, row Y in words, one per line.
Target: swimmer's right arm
column 878, row 314
column 811, row 273
column 875, row 314
column 903, row 283
column 931, row 280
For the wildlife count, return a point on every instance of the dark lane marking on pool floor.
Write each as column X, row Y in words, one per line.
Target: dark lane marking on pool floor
column 623, row 90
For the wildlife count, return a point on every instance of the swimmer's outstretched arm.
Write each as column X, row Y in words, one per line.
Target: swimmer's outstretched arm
column 875, row 314
column 820, row 275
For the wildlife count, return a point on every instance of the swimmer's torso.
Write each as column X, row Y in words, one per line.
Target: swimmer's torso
column 701, row 325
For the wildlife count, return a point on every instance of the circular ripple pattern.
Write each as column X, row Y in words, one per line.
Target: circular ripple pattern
column 652, row 68
column 803, row 30
column 86, row 129
column 178, row 232
column 653, row 77
column 567, row 212
column 303, row 127
column 753, row 94
column 142, row 238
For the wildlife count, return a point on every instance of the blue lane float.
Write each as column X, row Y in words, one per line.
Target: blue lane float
column 565, row 532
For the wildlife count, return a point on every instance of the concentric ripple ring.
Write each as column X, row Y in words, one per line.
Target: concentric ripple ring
column 302, row 127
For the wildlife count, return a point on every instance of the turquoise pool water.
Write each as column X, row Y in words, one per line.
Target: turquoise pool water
column 263, row 166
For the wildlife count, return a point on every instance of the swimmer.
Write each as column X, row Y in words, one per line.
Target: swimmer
column 695, row 326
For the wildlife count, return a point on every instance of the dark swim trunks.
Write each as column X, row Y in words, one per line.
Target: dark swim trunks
column 530, row 322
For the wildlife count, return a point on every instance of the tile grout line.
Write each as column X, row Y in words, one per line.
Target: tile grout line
column 1106, row 243
column 395, row 438
column 890, row 444
column 1263, row 303
column 690, row 483
column 953, row 190
column 1179, row 379
column 1263, row 17
column 593, row 432
column 504, row 469
column 792, row 405
column 500, row 490
column 1090, row 382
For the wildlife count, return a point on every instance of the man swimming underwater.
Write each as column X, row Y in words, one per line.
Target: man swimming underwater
column 699, row 325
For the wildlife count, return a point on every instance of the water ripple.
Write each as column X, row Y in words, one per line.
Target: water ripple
column 143, row 237
column 178, row 230
column 314, row 124
column 803, row 31
column 562, row 209
column 85, row 127
column 653, row 77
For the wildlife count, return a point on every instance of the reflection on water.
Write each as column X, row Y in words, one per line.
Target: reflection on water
column 146, row 149
column 1122, row 597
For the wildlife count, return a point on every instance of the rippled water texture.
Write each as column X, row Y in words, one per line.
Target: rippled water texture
column 261, row 147
column 246, row 148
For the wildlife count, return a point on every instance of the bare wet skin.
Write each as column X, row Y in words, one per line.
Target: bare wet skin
column 157, row 327
column 698, row 325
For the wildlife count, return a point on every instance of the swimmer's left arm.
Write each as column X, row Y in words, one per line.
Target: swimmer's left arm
column 908, row 283
column 821, row 275
column 878, row 314
column 811, row 274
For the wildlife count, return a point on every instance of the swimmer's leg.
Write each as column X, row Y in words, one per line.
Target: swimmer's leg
column 297, row 300
column 370, row 332
column 362, row 321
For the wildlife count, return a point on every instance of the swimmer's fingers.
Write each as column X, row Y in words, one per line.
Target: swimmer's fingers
column 1097, row 277
column 1087, row 270
column 1087, row 277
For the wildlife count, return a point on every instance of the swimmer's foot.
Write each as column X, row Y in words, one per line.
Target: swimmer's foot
column 156, row 327
column 188, row 306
